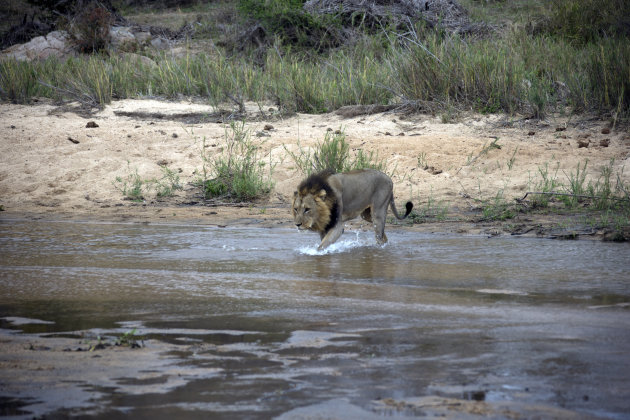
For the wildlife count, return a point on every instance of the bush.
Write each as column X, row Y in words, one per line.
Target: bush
column 237, row 173
column 584, row 21
column 90, row 28
column 287, row 20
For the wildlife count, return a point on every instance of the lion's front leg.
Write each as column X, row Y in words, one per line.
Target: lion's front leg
column 330, row 237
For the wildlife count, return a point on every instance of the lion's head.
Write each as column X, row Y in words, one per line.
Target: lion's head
column 315, row 204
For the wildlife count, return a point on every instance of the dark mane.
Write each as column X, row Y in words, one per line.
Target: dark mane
column 313, row 185
column 316, row 182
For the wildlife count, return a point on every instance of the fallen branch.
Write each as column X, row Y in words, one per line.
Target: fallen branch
column 591, row 197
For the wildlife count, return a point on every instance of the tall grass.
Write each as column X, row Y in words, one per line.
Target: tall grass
column 516, row 73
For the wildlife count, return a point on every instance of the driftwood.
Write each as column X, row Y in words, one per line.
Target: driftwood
column 590, row 197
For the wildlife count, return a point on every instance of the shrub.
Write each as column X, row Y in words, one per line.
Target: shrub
column 90, row 27
column 237, row 173
column 334, row 154
column 287, row 20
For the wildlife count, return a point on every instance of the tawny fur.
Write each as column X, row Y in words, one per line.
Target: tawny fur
column 323, row 201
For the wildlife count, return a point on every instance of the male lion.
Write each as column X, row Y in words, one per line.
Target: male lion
column 325, row 200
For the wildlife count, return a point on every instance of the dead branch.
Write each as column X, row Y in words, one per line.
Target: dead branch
column 590, row 197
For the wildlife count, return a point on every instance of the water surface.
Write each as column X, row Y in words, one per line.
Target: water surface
column 281, row 326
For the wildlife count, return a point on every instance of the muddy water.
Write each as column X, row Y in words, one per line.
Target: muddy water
column 257, row 323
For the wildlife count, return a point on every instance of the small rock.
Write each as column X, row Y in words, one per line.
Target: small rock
column 91, row 124
column 122, row 38
column 162, row 162
column 159, row 43
column 268, row 127
column 174, row 135
column 143, row 37
column 583, row 143
column 604, row 142
column 73, row 140
column 531, row 133
column 139, row 60
column 560, row 128
column 605, row 130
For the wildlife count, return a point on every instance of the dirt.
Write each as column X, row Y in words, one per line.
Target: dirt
column 60, row 164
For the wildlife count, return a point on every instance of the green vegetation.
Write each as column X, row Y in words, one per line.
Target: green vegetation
column 236, row 173
column 129, row 339
column 334, row 154
column 605, row 201
column 431, row 211
column 577, row 56
column 286, row 20
column 583, row 21
column 167, row 184
column 133, row 185
column 130, row 186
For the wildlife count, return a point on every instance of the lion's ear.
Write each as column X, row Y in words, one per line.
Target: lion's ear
column 322, row 193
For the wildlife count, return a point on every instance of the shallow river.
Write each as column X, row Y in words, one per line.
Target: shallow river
column 263, row 325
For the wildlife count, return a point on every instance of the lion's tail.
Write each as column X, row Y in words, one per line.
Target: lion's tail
column 408, row 207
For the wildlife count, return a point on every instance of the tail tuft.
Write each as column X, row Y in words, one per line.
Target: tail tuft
column 409, row 207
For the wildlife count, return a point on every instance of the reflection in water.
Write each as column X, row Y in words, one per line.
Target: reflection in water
column 277, row 325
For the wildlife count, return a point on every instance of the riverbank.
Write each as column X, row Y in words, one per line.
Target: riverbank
column 61, row 163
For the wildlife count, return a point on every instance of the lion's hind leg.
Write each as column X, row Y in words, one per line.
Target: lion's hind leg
column 379, row 232
column 379, row 226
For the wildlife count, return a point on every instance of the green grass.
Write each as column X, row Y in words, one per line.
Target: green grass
column 602, row 197
column 238, row 172
column 578, row 57
column 334, row 153
column 133, row 186
column 430, row 211
column 522, row 73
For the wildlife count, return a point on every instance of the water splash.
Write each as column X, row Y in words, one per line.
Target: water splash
column 340, row 246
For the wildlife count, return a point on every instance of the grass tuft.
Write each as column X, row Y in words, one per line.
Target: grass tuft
column 334, row 153
column 237, row 173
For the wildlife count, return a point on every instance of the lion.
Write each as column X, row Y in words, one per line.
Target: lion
column 324, row 201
